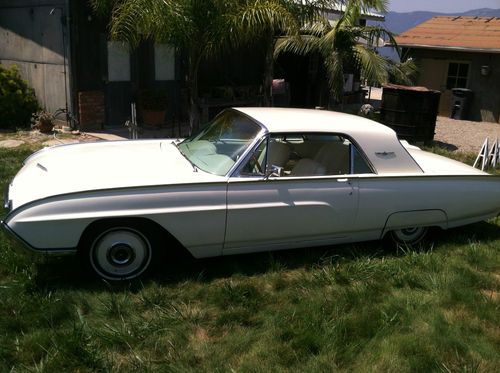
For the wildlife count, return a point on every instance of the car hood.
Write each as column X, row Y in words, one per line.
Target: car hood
column 102, row 165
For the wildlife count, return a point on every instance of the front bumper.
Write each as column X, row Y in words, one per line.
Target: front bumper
column 7, row 203
column 15, row 242
column 18, row 243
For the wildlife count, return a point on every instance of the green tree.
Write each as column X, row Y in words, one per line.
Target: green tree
column 345, row 43
column 193, row 26
column 266, row 20
column 204, row 28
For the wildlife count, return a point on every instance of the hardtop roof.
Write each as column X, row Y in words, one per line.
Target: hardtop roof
column 278, row 120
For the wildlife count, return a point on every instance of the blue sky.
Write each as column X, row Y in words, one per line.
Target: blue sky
column 445, row 6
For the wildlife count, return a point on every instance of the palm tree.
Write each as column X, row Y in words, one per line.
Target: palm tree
column 266, row 20
column 204, row 28
column 196, row 27
column 345, row 42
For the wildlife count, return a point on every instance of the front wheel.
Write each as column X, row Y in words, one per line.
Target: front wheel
column 120, row 253
column 409, row 236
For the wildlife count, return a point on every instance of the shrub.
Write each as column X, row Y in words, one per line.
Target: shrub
column 43, row 121
column 17, row 100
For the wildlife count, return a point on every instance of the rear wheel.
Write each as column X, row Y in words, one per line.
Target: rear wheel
column 120, row 252
column 409, row 236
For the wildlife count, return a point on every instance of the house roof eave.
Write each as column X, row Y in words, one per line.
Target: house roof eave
column 446, row 48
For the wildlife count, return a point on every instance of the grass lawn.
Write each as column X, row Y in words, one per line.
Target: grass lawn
column 362, row 307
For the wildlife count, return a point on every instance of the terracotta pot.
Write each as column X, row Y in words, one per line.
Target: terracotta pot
column 45, row 126
column 153, row 117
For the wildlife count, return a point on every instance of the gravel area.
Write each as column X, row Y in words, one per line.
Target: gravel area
column 455, row 135
column 463, row 135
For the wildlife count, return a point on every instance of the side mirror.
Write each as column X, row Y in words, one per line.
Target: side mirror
column 274, row 171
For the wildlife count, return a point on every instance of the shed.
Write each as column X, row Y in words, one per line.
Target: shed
column 458, row 52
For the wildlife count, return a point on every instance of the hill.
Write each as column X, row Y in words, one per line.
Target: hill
column 400, row 22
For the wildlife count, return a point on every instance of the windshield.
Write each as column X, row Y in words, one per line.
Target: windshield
column 217, row 147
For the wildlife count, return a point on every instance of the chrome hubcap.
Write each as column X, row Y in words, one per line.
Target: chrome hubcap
column 120, row 253
column 410, row 235
column 409, row 231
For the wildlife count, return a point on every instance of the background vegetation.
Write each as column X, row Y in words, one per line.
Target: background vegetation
column 17, row 100
column 360, row 307
column 203, row 29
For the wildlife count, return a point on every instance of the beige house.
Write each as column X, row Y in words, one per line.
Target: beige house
column 458, row 52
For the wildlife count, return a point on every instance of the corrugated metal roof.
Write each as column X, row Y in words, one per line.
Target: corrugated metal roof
column 481, row 34
column 339, row 8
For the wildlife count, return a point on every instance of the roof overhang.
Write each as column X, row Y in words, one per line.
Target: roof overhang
column 447, row 48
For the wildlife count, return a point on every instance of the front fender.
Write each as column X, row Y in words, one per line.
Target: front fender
column 195, row 215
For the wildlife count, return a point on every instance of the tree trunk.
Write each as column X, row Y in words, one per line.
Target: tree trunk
column 194, row 108
column 267, row 99
column 194, row 101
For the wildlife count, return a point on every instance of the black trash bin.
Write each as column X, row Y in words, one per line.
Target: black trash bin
column 460, row 103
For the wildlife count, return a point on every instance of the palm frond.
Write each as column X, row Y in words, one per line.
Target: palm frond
column 135, row 20
column 353, row 9
column 300, row 45
column 335, row 74
column 373, row 65
column 403, row 72
column 381, row 6
column 263, row 16
column 103, row 7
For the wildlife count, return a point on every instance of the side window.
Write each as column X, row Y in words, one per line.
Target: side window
column 255, row 165
column 272, row 152
column 325, row 154
column 359, row 165
column 298, row 155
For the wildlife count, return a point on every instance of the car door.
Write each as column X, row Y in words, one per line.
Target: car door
column 293, row 209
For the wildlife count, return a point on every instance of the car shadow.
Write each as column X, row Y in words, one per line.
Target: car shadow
column 444, row 145
column 67, row 272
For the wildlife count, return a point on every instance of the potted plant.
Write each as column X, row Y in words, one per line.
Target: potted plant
column 153, row 103
column 43, row 121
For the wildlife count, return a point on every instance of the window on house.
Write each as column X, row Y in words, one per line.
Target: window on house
column 457, row 75
column 118, row 62
column 164, row 62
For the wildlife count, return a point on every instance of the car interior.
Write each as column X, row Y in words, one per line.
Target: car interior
column 299, row 155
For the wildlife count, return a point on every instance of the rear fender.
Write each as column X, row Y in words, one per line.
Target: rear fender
column 419, row 218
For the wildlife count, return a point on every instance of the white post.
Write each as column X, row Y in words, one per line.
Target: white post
column 493, row 155
column 483, row 154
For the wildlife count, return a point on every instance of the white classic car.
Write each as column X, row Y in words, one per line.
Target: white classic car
column 254, row 179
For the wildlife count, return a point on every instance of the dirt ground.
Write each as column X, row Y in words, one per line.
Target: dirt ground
column 463, row 135
column 9, row 139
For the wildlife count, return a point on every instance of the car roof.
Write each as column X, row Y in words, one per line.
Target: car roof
column 378, row 142
column 278, row 120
